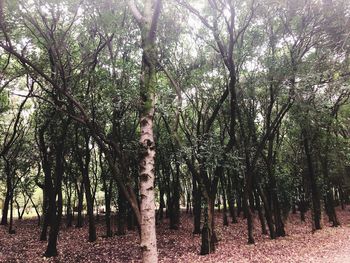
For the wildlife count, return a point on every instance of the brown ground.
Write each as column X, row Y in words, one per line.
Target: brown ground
column 300, row 245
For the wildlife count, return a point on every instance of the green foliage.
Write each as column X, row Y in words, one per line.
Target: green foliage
column 86, row 61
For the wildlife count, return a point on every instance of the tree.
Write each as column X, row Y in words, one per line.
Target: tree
column 147, row 22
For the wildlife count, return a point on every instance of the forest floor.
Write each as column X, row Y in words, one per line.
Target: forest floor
column 300, row 244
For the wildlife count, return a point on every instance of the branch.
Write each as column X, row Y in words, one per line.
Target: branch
column 194, row 11
column 136, row 12
column 9, row 143
column 155, row 17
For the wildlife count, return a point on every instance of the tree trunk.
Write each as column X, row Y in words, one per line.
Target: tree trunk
column 26, row 201
column 83, row 159
column 131, row 219
column 188, row 203
column 80, row 192
column 315, row 194
column 47, row 216
column 249, row 216
column 11, row 230
column 6, row 207
column 69, row 212
column 147, row 206
column 121, row 214
column 246, row 205
column 148, row 84
column 252, row 203
column 36, row 209
column 208, row 236
column 161, row 204
column 329, row 200
column 302, row 208
column 90, row 208
column 197, row 203
column 231, row 201
column 55, row 220
column 175, row 200
column 239, row 203
column 331, row 209
column 47, row 190
column 8, row 193
column 341, row 197
column 225, row 219
column 268, row 213
column 51, row 250
column 54, row 189
column 260, row 213
column 280, row 232
column 108, row 193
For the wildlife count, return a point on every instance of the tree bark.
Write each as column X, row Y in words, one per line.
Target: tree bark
column 197, row 203
column 108, row 195
column 80, row 191
column 121, row 214
column 6, row 207
column 84, row 161
column 260, row 213
column 69, row 211
column 268, row 213
column 175, row 200
column 55, row 208
column 315, row 194
column 231, row 202
column 248, row 213
column 147, row 22
column 224, row 213
column 11, row 230
column 8, row 193
column 208, row 242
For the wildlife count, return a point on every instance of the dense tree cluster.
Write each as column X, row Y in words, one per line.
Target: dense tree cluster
column 147, row 108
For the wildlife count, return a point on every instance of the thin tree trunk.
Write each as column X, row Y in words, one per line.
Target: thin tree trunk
column 51, row 250
column 80, row 192
column 36, row 209
column 231, row 202
column 55, row 208
column 69, row 210
column 47, row 210
column 175, row 200
column 341, row 197
column 131, row 219
column 329, row 202
column 8, row 194
column 280, row 232
column 331, row 209
column 249, row 216
column 121, row 214
column 197, row 201
column 268, row 213
column 161, row 204
column 11, row 230
column 90, row 208
column 108, row 193
column 260, row 213
column 225, row 219
column 5, row 208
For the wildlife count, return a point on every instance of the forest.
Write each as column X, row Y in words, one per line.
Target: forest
column 175, row 131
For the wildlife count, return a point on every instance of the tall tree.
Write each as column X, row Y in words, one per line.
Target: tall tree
column 147, row 21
